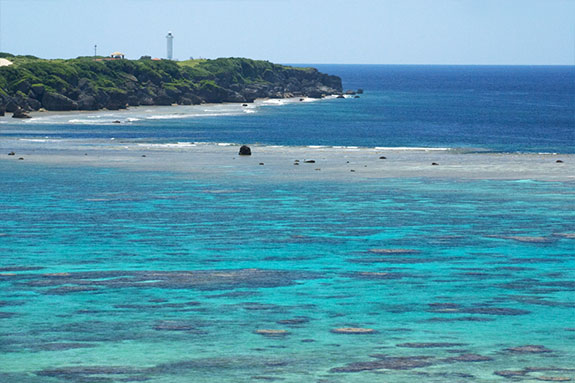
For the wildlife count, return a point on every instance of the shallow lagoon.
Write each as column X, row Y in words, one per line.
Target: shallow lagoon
column 111, row 275
column 119, row 268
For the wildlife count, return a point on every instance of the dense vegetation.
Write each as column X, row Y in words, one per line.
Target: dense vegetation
column 95, row 83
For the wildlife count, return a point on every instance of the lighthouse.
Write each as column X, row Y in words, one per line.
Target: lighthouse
column 170, row 40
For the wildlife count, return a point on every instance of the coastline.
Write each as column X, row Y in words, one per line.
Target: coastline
column 157, row 111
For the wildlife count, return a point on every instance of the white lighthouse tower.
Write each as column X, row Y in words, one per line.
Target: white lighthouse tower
column 170, row 39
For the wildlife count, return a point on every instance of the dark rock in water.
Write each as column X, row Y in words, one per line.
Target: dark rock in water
column 244, row 105
column 430, row 345
column 353, row 330
column 294, row 321
column 21, row 158
column 393, row 251
column 387, row 363
column 20, row 113
column 245, row 151
column 63, row 346
column 434, row 163
column 373, row 275
column 309, row 161
column 495, row 311
column 356, row 97
column 272, row 333
column 84, row 374
column 460, row 319
column 529, row 349
column 177, row 326
column 11, row 154
column 470, row 358
column 559, row 161
column 117, row 122
column 341, row 96
column 510, row 373
column 302, row 99
column 383, row 158
column 261, row 163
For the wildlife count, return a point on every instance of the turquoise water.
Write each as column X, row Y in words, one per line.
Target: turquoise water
column 117, row 276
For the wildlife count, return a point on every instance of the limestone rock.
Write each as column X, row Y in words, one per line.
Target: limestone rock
column 58, row 102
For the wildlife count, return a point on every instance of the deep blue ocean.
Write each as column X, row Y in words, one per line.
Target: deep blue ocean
column 508, row 109
column 132, row 275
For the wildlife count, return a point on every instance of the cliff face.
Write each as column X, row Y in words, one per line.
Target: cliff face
column 91, row 84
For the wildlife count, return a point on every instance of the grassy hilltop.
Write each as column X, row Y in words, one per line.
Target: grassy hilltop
column 90, row 83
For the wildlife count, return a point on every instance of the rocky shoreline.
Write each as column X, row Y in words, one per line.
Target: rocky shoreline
column 135, row 83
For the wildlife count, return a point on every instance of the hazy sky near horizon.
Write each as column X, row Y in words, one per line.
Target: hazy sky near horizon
column 537, row 32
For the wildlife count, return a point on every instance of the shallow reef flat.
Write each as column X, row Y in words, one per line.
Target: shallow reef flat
column 304, row 163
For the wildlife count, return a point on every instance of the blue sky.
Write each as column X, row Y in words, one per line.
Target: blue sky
column 535, row 32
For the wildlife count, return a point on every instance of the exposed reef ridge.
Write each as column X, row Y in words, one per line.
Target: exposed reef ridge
column 89, row 83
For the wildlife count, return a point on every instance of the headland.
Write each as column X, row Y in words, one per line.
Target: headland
column 94, row 83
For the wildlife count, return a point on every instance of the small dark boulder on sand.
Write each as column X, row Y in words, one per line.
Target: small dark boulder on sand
column 20, row 113
column 245, row 151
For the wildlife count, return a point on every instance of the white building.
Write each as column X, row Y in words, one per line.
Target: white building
column 170, row 39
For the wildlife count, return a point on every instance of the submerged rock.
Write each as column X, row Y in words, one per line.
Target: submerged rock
column 272, row 333
column 430, row 345
column 529, row 349
column 393, row 251
column 388, row 363
column 353, row 330
column 510, row 373
column 470, row 358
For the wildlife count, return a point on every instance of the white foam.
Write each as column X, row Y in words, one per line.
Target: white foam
column 170, row 145
column 405, row 148
column 38, row 140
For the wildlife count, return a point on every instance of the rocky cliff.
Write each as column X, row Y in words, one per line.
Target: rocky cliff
column 97, row 83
